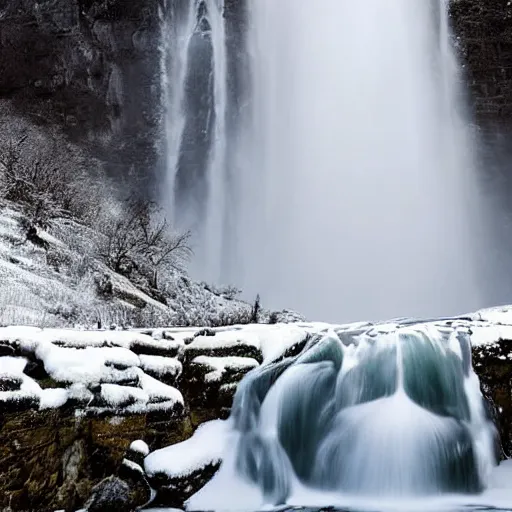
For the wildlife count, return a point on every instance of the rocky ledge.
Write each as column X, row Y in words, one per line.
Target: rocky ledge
column 88, row 415
column 72, row 402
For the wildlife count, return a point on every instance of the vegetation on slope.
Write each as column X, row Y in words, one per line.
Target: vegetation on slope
column 73, row 250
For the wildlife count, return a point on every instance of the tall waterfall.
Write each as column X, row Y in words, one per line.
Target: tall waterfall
column 359, row 413
column 345, row 190
column 194, row 85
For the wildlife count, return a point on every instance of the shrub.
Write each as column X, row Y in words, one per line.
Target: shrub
column 140, row 240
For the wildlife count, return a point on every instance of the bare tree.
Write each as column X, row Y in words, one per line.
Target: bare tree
column 43, row 172
column 142, row 238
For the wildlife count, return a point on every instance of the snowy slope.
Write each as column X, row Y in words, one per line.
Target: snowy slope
column 57, row 285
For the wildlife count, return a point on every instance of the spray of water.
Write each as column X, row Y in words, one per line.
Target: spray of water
column 359, row 194
column 395, row 415
column 352, row 192
column 195, row 96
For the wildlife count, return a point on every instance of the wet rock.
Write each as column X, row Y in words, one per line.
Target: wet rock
column 493, row 365
column 10, row 383
column 132, row 473
column 174, row 491
column 91, row 68
column 152, row 349
column 7, row 350
column 136, row 453
column 110, row 494
column 240, row 348
column 483, row 30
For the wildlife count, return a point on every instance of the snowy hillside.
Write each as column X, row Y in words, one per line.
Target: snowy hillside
column 55, row 279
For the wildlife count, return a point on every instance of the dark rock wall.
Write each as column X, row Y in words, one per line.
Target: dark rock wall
column 484, row 37
column 483, row 31
column 492, row 365
column 91, row 67
column 52, row 459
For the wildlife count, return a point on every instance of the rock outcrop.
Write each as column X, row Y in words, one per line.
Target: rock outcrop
column 72, row 402
column 90, row 67
column 483, row 29
column 93, row 68
column 75, row 405
column 493, row 363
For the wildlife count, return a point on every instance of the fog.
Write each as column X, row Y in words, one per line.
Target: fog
column 348, row 190
column 359, row 192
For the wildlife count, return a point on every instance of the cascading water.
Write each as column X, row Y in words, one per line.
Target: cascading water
column 363, row 414
column 194, row 84
column 360, row 177
column 347, row 183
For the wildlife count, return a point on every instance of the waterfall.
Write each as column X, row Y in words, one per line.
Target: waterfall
column 195, row 98
column 374, row 413
column 360, row 196
column 346, row 189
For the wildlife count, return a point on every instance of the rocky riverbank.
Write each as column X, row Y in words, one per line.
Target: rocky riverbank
column 73, row 402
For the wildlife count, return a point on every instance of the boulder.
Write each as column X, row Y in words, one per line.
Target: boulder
column 110, row 494
column 493, row 365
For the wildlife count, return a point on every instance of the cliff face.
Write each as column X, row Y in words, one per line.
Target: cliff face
column 89, row 66
column 484, row 32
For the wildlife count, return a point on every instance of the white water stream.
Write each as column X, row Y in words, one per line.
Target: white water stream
column 353, row 195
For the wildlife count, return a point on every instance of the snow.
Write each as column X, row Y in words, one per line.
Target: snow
column 133, row 466
column 271, row 340
column 219, row 365
column 140, row 446
column 497, row 315
column 74, row 338
column 163, row 510
column 53, row 398
column 12, row 366
column 161, row 365
column 276, row 340
column 158, row 391
column 487, row 333
column 71, row 365
column 80, row 392
column 119, row 396
column 126, row 367
column 43, row 291
column 205, row 447
column 225, row 339
column 80, row 360
column 85, row 358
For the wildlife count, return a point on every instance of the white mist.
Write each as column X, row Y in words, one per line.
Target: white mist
column 357, row 194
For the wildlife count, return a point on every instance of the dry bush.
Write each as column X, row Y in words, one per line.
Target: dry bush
column 50, row 177
column 141, row 241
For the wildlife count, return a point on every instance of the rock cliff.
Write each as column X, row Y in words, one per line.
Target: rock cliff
column 72, row 402
column 91, row 67
column 483, row 29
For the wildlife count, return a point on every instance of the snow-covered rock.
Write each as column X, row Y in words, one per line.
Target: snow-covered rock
column 180, row 470
column 74, row 401
column 223, row 369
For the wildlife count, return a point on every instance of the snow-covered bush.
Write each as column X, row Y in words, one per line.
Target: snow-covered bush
column 140, row 240
column 42, row 171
